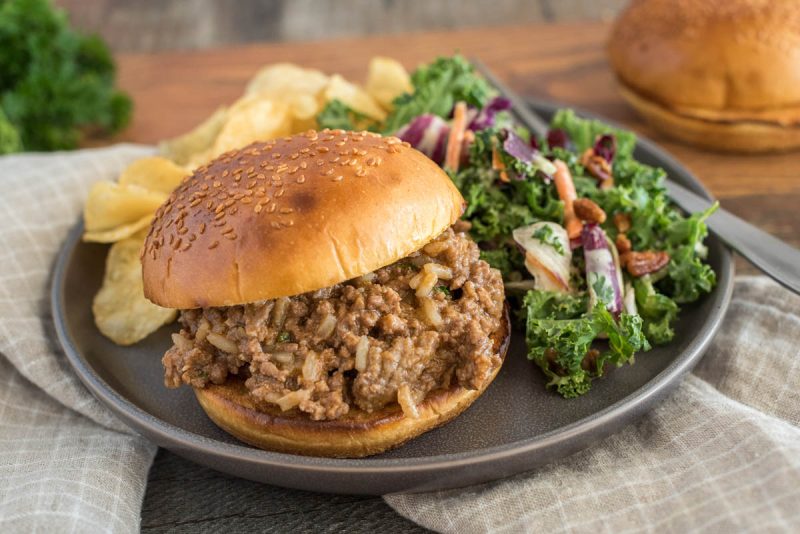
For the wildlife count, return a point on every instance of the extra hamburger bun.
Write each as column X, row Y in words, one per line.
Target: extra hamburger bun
column 721, row 74
column 355, row 435
column 285, row 217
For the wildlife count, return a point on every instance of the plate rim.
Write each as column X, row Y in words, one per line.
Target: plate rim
column 638, row 402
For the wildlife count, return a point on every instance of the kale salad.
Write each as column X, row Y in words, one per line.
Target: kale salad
column 596, row 259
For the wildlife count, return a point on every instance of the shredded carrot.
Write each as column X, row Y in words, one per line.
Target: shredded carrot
column 456, row 138
column 566, row 192
column 498, row 165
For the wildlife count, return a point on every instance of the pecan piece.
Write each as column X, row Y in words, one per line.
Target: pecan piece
column 642, row 263
column 622, row 221
column 587, row 211
column 598, row 167
column 623, row 244
column 462, row 226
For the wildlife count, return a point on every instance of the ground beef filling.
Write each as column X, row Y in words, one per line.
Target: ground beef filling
column 420, row 324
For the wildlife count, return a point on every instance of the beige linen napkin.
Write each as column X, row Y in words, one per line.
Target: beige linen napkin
column 66, row 464
column 723, row 451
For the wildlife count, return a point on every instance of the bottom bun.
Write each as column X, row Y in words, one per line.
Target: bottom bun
column 730, row 135
column 356, row 434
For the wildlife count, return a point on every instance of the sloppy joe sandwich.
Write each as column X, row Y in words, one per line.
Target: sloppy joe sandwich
column 328, row 304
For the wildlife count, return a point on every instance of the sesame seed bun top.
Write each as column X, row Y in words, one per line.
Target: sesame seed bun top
column 713, row 60
column 283, row 217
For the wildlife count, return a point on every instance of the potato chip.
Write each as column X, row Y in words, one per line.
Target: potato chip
column 121, row 312
column 155, row 174
column 282, row 80
column 386, row 80
column 111, row 205
column 118, row 232
column 304, row 106
column 182, row 149
column 353, row 96
column 253, row 119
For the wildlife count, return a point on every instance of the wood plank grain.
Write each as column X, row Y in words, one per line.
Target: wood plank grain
column 185, row 497
column 176, row 90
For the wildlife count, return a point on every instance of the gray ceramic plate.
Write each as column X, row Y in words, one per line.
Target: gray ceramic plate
column 515, row 426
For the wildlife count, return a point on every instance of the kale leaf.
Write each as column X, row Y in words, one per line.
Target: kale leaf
column 437, row 87
column 337, row 115
column 560, row 334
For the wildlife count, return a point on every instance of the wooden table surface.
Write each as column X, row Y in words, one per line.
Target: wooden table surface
column 566, row 63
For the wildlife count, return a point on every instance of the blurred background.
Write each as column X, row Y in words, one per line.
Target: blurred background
column 151, row 25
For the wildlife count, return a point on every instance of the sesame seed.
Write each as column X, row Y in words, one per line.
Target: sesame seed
column 327, row 172
column 280, row 192
column 338, row 178
column 192, row 237
column 303, row 165
column 234, row 209
column 183, row 230
column 361, row 171
column 202, row 228
column 258, row 208
column 340, row 143
column 301, row 179
column 228, row 231
column 271, row 208
column 213, row 245
column 220, row 214
column 216, row 184
column 276, row 155
column 177, row 244
column 275, row 224
column 195, row 202
column 246, row 200
column 186, row 246
column 219, row 224
column 286, row 210
column 225, row 173
column 323, row 150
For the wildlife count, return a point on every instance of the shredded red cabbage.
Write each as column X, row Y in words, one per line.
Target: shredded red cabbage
column 557, row 138
column 428, row 134
column 485, row 118
column 605, row 146
column 516, row 147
